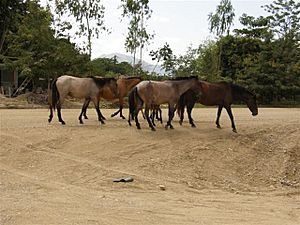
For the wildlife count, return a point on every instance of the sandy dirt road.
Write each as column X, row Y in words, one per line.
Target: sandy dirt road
column 54, row 174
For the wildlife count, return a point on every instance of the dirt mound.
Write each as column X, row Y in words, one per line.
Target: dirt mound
column 263, row 160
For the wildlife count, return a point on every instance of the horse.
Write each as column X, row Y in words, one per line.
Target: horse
column 154, row 93
column 222, row 94
column 87, row 88
column 125, row 84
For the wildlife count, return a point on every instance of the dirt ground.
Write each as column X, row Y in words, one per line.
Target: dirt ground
column 54, row 174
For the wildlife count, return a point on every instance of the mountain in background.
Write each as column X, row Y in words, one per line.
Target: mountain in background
column 126, row 58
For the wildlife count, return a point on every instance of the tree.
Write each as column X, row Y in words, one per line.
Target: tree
column 138, row 12
column 165, row 53
column 285, row 19
column 221, row 21
column 36, row 51
column 107, row 67
column 207, row 61
column 10, row 11
column 89, row 14
column 186, row 65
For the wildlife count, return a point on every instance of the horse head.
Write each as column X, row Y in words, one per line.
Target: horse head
column 252, row 103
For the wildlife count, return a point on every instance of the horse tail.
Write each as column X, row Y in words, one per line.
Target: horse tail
column 131, row 102
column 134, row 99
column 180, row 104
column 55, row 95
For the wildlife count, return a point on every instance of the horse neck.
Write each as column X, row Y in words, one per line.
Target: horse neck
column 131, row 83
column 184, row 85
column 239, row 95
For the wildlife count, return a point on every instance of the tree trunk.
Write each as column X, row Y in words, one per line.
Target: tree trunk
column 141, row 42
column 89, row 37
column 2, row 39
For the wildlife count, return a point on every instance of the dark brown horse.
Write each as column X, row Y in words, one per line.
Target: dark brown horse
column 125, row 84
column 222, row 94
column 155, row 93
column 87, row 88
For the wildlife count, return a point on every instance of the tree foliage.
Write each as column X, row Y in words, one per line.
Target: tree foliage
column 10, row 11
column 221, row 21
column 138, row 12
column 89, row 14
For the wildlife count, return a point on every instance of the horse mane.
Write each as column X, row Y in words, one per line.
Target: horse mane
column 185, row 78
column 239, row 91
column 129, row 78
column 101, row 81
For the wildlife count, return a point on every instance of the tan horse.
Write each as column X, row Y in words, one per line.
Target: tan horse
column 87, row 88
column 125, row 84
column 155, row 93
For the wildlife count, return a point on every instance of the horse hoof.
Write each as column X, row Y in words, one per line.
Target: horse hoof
column 180, row 123
column 234, row 130
column 63, row 123
column 171, row 127
column 80, row 122
column 166, row 127
column 123, row 117
column 138, row 128
column 218, row 126
column 193, row 126
column 153, row 129
column 86, row 118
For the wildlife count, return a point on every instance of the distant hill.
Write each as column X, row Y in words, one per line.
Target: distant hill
column 126, row 58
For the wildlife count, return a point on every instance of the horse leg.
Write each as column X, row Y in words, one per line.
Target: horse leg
column 96, row 103
column 51, row 114
column 153, row 117
column 116, row 113
column 129, row 118
column 143, row 114
column 121, row 101
column 83, row 110
column 87, row 105
column 181, row 113
column 171, row 115
column 218, row 116
column 101, row 115
column 121, row 113
column 59, row 114
column 160, row 116
column 136, row 113
column 148, row 118
column 228, row 108
column 189, row 112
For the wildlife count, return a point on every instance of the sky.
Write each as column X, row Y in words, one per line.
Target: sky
column 181, row 23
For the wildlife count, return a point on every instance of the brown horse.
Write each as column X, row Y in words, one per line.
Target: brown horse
column 87, row 88
column 125, row 84
column 222, row 94
column 154, row 93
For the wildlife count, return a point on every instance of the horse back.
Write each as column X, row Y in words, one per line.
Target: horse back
column 76, row 87
column 215, row 93
column 155, row 92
